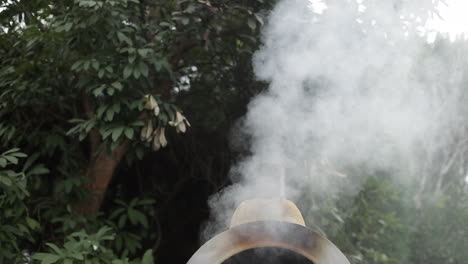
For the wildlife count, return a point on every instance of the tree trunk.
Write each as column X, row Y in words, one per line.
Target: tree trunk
column 101, row 166
column 99, row 173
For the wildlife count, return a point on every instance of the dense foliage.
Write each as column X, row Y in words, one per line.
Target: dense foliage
column 386, row 227
column 90, row 88
column 114, row 124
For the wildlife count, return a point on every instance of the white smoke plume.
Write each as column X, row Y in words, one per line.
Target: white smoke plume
column 352, row 84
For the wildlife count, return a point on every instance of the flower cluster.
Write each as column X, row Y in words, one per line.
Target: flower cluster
column 156, row 136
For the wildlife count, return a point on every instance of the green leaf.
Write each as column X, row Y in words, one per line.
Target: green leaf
column 120, row 202
column 116, row 213
column 30, row 161
column 68, row 26
column 101, row 110
column 129, row 132
column 101, row 73
column 143, row 68
column 137, row 217
column 5, row 180
column 131, row 215
column 163, row 117
column 165, row 24
column 59, row 28
column 103, row 231
column 252, row 24
column 122, row 221
column 146, row 202
column 110, row 91
column 76, row 120
column 116, row 133
column 33, row 224
column 117, row 85
column 109, row 115
column 143, row 52
column 19, row 155
column 3, row 162
column 38, row 170
column 46, row 258
column 23, row 229
column 127, row 39
column 148, row 257
column 131, row 58
column 190, row 9
column 86, row 65
column 106, row 133
column 185, row 20
column 133, row 202
column 99, row 91
column 136, row 72
column 118, row 242
column 87, row 3
column 11, row 159
column 259, row 19
column 95, row 65
column 76, row 65
column 127, row 71
column 78, row 256
column 55, row 248
column 116, row 108
column 10, row 151
column 123, row 38
column 138, row 123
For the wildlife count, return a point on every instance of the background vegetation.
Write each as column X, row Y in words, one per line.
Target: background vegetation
column 99, row 163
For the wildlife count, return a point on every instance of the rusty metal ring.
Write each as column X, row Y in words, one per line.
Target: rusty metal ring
column 296, row 238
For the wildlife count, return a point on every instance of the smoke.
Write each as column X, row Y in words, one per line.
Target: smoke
column 352, row 84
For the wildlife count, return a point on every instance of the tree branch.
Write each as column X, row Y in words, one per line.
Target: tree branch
column 94, row 136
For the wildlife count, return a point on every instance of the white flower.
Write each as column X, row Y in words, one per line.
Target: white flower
column 150, row 102
column 156, row 110
column 162, row 138
column 180, row 123
column 156, row 144
column 181, row 127
column 143, row 133
column 147, row 131
column 159, row 139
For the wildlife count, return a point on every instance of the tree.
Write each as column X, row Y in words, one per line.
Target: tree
column 88, row 88
column 378, row 227
column 82, row 79
column 15, row 224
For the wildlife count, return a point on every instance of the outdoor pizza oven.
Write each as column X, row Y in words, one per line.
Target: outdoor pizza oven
column 268, row 231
